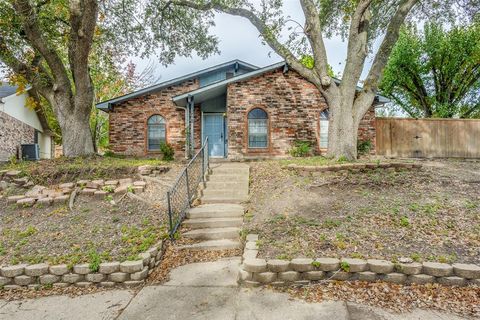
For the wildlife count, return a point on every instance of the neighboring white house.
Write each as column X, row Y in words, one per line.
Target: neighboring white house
column 21, row 125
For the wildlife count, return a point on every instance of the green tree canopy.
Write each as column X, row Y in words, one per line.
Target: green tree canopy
column 58, row 46
column 436, row 72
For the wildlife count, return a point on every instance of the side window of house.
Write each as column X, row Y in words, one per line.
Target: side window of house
column 156, row 132
column 324, row 129
column 257, row 128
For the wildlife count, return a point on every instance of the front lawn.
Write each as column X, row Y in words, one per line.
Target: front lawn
column 431, row 214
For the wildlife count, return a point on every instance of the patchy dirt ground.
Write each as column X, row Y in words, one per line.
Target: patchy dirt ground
column 427, row 214
column 464, row 301
column 61, row 170
column 95, row 230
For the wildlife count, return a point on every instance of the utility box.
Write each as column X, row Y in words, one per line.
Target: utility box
column 30, row 152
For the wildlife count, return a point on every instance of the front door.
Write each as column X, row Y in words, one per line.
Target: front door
column 214, row 129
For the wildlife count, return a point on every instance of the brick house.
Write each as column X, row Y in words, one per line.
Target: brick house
column 21, row 125
column 245, row 112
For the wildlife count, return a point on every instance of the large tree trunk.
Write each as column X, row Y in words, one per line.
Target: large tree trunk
column 342, row 132
column 77, row 136
column 73, row 114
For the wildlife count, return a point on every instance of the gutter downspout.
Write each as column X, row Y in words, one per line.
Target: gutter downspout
column 191, row 107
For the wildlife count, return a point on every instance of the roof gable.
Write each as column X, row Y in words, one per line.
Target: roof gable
column 104, row 105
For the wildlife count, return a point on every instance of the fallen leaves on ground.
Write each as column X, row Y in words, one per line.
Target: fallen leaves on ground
column 175, row 257
column 395, row 297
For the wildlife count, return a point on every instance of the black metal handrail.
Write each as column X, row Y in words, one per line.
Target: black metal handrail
column 183, row 191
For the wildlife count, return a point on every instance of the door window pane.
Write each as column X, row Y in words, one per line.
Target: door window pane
column 257, row 129
column 156, row 132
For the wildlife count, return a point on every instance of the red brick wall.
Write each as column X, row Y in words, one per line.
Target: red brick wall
column 128, row 121
column 293, row 106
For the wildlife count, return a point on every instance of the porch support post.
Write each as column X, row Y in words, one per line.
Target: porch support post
column 187, row 134
column 191, row 106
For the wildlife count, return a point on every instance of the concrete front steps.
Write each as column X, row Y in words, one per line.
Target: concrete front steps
column 217, row 221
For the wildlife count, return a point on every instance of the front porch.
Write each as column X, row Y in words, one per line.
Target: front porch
column 205, row 116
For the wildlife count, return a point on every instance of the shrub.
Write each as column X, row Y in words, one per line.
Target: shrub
column 167, row 151
column 364, row 147
column 301, row 149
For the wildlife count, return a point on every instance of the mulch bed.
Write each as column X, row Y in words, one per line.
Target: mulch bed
column 399, row 298
column 427, row 215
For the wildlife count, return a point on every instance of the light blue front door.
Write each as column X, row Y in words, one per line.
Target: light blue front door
column 214, row 129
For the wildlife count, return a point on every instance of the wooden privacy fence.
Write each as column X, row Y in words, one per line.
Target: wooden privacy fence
column 428, row 138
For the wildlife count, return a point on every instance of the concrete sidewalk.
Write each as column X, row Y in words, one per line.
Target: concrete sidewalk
column 198, row 291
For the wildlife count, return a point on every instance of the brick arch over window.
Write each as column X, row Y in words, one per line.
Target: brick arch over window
column 156, row 132
column 258, row 128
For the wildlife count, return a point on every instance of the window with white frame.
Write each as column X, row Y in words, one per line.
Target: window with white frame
column 156, row 132
column 324, row 129
column 257, row 128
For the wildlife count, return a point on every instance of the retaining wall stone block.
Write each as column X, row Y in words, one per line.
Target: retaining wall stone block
column 276, row 265
column 83, row 284
column 265, row 277
column 380, row 266
column 250, row 254
column 289, row 276
column 367, row 276
column 328, row 264
column 314, row 275
column 340, row 275
column 467, row 271
column 59, row 270
column 23, row 280
column 145, row 256
column 60, row 284
column 49, row 279
column 356, row 265
column 141, row 275
column 118, row 276
column 95, row 277
column 452, row 281
column 437, row 269
column 109, row 267
column 301, row 265
column 133, row 283
column 4, row 281
column 131, row 266
column 244, row 275
column 410, row 268
column 36, row 270
column 395, row 277
column 255, row 265
column 420, row 278
column 83, row 268
column 13, row 271
column 72, row 278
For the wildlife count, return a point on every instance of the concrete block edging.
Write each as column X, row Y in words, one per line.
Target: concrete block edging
column 256, row 272
column 127, row 273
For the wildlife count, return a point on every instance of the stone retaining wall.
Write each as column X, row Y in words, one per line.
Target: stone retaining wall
column 301, row 271
column 128, row 273
column 393, row 166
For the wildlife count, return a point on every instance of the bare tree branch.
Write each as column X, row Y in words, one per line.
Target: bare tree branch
column 35, row 37
column 264, row 30
column 381, row 58
column 313, row 30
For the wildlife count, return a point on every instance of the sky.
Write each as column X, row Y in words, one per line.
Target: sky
column 239, row 39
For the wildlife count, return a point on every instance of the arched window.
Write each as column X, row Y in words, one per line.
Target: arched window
column 257, row 128
column 155, row 132
column 324, row 129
